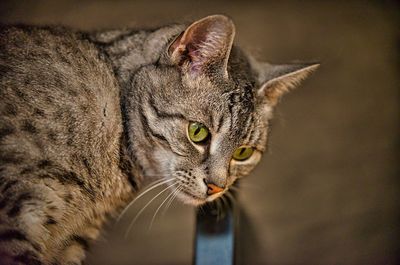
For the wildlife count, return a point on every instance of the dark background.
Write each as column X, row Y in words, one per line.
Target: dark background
column 327, row 192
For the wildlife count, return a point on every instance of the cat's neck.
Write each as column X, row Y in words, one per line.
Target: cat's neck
column 128, row 50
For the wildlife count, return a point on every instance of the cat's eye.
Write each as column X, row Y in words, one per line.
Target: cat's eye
column 243, row 153
column 197, row 132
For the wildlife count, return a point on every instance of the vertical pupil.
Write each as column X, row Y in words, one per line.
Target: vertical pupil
column 197, row 131
column 242, row 151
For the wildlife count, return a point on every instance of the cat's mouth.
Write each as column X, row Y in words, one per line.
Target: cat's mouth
column 196, row 200
column 189, row 198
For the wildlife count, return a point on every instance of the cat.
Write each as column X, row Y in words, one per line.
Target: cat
column 86, row 118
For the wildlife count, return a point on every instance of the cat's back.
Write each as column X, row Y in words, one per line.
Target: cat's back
column 59, row 102
column 60, row 129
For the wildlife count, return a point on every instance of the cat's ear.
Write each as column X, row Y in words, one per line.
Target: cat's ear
column 277, row 80
column 204, row 46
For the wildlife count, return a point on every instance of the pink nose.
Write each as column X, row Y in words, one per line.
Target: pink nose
column 212, row 189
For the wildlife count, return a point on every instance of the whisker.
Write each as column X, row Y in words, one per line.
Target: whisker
column 201, row 208
column 232, row 200
column 219, row 206
column 152, row 187
column 227, row 203
column 159, row 207
column 172, row 199
column 144, row 207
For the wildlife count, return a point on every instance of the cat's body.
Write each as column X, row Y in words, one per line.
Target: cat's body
column 60, row 143
column 85, row 118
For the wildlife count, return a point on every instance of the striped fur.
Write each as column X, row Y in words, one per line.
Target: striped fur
column 86, row 118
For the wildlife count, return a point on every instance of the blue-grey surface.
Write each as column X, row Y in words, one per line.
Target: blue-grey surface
column 214, row 239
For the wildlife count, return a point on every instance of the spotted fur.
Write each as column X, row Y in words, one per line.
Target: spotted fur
column 87, row 117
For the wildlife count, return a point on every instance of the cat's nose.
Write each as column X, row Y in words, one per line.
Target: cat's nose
column 212, row 189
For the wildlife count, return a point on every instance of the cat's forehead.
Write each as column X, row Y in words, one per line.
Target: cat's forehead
column 219, row 93
column 204, row 98
column 224, row 105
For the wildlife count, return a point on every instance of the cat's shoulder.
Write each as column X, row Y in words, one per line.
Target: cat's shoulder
column 50, row 49
column 55, row 67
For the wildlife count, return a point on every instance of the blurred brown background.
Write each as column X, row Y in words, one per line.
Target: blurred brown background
column 327, row 192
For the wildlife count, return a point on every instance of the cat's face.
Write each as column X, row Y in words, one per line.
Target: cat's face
column 210, row 133
column 205, row 116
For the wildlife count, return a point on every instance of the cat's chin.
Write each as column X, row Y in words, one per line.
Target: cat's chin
column 193, row 200
column 190, row 199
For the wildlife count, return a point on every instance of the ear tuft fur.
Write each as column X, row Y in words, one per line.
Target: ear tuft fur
column 276, row 80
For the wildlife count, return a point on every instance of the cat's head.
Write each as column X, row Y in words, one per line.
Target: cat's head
column 203, row 111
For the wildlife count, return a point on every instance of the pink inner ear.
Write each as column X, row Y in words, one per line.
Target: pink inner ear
column 195, row 58
column 174, row 46
column 188, row 46
column 205, row 42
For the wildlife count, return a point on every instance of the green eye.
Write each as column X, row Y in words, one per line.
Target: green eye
column 197, row 132
column 243, row 153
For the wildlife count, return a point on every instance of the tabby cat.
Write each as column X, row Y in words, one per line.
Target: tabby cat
column 87, row 117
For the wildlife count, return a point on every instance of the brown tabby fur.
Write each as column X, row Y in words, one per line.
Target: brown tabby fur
column 85, row 118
